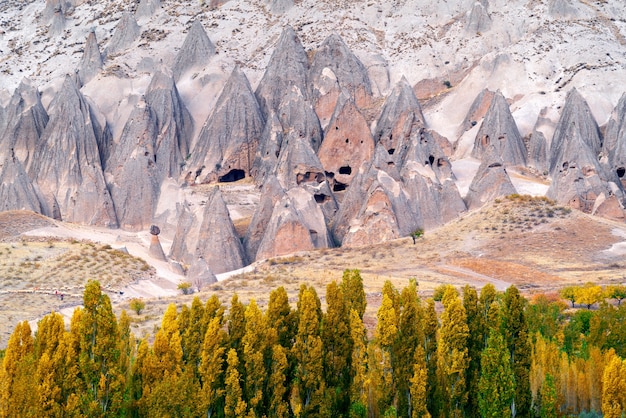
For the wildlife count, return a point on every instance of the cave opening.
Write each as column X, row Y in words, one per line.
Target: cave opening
column 621, row 171
column 232, row 175
column 346, row 169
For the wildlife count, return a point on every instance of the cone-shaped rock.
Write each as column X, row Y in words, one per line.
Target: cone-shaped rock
column 227, row 143
column 147, row 8
column 16, row 189
column 200, row 274
column 272, row 192
column 615, row 140
column 499, row 133
column 478, row 109
column 298, row 117
column 347, row 144
column 174, row 124
column 67, row 166
column 538, row 152
column 288, row 67
column 279, row 6
column 57, row 24
column 156, row 250
column 268, row 151
column 54, row 6
column 197, row 49
column 208, row 233
column 25, row 120
column 91, row 62
column 562, row 8
column 297, row 224
column 576, row 139
column 134, row 178
column 423, row 148
column 400, row 116
column 298, row 163
column 126, row 33
column 490, row 182
column 335, row 68
column 584, row 189
column 478, row 19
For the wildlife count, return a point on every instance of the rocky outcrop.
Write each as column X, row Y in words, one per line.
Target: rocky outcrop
column 287, row 68
column 25, row 119
column 268, row 151
column 174, row 125
column 498, row 133
column 298, row 164
column 156, row 250
column 490, row 182
column 297, row 224
column 334, row 69
column 132, row 173
column 400, row 116
column 347, row 144
column 208, row 233
column 55, row 6
column 424, row 149
column 279, row 6
column 196, row 51
column 57, row 23
column 147, row 8
column 478, row 109
column 538, row 152
column 91, row 61
column 614, row 146
column 16, row 189
column 478, row 20
column 228, row 141
column 126, row 33
column 562, row 9
column 298, row 117
column 200, row 274
column 271, row 193
column 67, row 166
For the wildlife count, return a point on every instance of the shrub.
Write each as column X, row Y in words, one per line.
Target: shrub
column 137, row 305
column 185, row 287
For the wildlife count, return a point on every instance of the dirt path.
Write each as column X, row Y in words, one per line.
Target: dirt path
column 474, row 279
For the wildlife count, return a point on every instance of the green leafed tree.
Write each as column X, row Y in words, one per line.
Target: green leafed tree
column 496, row 385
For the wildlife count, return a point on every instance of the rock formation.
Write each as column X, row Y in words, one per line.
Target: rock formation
column 126, row 33
column 200, row 274
column 614, row 147
column 16, row 189
column 147, row 8
column 297, row 224
column 208, row 233
column 334, row 69
column 279, row 6
column 57, row 24
column 132, row 173
column 227, row 143
column 91, row 61
column 25, row 120
column 423, row 148
column 67, row 166
column 298, row 117
column 400, row 116
column 499, row 133
column 347, row 144
column 174, row 125
column 53, row 7
column 156, row 250
column 478, row 20
column 196, row 50
column 490, row 182
column 287, row 68
column 538, row 152
column 478, row 109
column 298, row 164
column 268, row 151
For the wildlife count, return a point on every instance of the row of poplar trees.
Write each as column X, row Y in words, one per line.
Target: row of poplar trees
column 473, row 360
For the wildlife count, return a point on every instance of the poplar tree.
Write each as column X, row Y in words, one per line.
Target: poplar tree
column 234, row 405
column 308, row 353
column 254, row 344
column 236, row 326
column 431, row 326
column 613, row 387
column 211, row 369
column 418, row 385
column 193, row 333
column 496, row 386
column 514, row 329
column 352, row 288
column 17, row 389
column 280, row 317
column 549, row 398
column 337, row 346
column 277, row 387
column 359, row 382
column 475, row 346
column 386, row 331
column 452, row 356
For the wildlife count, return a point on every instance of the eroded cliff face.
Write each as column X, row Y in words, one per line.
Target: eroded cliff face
column 325, row 123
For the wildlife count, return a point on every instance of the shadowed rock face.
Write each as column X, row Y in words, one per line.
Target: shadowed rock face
column 25, row 120
column 196, row 50
column 335, row 69
column 478, row 109
column 614, row 146
column 133, row 175
column 400, row 116
column 200, row 274
column 498, row 133
column 298, row 117
column 91, row 61
column 490, row 182
column 287, row 68
column 228, row 141
column 297, row 224
column 16, row 189
column 126, row 33
column 66, row 166
column 347, row 144
column 208, row 233
column 538, row 152
column 174, row 125
column 424, row 149
column 268, row 151
column 298, row 164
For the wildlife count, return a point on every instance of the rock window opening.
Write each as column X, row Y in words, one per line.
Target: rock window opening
column 339, row 187
column 347, row 140
column 621, row 171
column 431, row 160
column 232, row 175
column 391, row 151
column 346, row 169
column 321, row 198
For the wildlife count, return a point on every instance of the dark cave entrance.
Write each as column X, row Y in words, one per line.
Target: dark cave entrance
column 346, row 169
column 232, row 175
column 621, row 171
